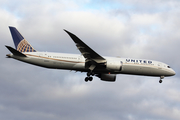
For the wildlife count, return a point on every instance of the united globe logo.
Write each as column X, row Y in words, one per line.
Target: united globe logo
column 24, row 46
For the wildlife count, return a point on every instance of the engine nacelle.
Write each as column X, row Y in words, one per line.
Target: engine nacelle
column 107, row 77
column 114, row 65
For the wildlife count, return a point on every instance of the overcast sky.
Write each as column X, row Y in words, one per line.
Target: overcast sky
column 146, row 29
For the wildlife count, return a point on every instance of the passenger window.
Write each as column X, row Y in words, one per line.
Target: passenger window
column 168, row 66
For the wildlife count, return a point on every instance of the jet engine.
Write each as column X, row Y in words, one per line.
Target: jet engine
column 107, row 77
column 114, row 65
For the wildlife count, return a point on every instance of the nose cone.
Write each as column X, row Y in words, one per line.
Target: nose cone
column 173, row 72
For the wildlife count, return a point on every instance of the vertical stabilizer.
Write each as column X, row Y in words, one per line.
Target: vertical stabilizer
column 20, row 42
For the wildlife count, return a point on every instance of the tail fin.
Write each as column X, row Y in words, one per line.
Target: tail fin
column 20, row 43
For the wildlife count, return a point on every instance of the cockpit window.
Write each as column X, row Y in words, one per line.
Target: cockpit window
column 168, row 66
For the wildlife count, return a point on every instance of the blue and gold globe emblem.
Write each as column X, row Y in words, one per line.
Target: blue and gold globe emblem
column 24, row 46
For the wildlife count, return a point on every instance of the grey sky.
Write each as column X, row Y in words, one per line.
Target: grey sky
column 131, row 28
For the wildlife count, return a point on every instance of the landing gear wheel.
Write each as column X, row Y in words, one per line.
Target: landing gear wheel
column 88, row 74
column 160, row 81
column 90, row 78
column 86, row 79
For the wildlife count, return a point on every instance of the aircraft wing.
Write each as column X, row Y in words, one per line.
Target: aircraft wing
column 85, row 50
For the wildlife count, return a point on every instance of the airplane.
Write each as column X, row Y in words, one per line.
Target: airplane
column 89, row 61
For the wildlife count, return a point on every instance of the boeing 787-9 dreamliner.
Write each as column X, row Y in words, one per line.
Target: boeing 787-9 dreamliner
column 106, row 68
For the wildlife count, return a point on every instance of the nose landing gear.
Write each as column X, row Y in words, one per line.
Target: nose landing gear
column 160, row 81
column 161, row 77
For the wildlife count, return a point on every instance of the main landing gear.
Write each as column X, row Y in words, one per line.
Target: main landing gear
column 89, row 77
column 161, row 77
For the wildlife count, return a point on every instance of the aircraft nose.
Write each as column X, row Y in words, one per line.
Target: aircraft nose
column 173, row 72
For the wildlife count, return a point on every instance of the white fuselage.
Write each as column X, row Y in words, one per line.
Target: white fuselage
column 77, row 63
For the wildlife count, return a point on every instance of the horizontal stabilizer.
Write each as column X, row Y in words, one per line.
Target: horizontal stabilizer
column 15, row 52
